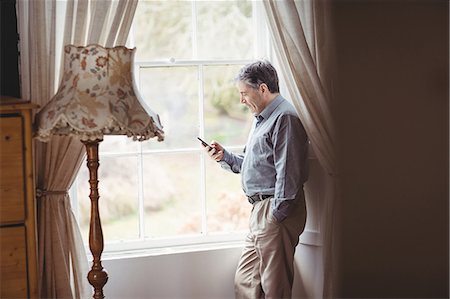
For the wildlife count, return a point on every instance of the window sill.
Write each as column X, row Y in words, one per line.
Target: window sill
column 179, row 249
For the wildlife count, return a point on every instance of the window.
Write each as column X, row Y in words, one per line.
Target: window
column 170, row 193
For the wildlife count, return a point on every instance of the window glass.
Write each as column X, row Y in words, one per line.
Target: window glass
column 118, row 144
column 227, row 207
column 118, row 202
column 172, row 197
column 163, row 30
column 173, row 93
column 225, row 29
column 226, row 120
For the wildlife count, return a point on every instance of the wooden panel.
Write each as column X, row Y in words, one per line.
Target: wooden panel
column 18, row 257
column 13, row 268
column 11, row 174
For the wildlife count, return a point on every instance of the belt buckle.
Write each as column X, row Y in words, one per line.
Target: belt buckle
column 256, row 197
column 251, row 199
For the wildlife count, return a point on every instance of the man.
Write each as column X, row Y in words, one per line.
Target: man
column 273, row 169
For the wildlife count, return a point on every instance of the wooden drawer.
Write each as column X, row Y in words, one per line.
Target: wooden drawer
column 13, row 263
column 18, row 254
column 12, row 207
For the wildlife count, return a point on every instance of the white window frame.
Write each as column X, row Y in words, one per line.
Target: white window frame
column 204, row 240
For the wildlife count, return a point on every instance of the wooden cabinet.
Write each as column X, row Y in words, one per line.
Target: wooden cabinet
column 18, row 250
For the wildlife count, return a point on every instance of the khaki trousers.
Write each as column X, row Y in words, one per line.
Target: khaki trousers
column 266, row 266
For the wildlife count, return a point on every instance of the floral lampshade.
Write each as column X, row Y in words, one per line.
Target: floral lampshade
column 97, row 97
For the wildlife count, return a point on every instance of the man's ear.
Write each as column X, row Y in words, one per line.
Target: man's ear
column 263, row 87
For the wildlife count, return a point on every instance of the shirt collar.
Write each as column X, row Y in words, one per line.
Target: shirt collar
column 270, row 108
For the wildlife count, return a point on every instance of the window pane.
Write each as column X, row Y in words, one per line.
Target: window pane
column 225, row 29
column 227, row 207
column 162, row 29
column 172, row 201
column 173, row 93
column 226, row 119
column 118, row 144
column 118, row 203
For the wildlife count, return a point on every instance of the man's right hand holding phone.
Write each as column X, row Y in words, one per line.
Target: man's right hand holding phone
column 214, row 150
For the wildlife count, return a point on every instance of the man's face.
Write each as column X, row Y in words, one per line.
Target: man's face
column 250, row 97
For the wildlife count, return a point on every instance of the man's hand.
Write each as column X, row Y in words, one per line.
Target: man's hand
column 215, row 151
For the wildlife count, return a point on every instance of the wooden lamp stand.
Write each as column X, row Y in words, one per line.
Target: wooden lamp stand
column 97, row 276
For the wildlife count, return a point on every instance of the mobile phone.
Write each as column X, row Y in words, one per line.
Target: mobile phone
column 204, row 143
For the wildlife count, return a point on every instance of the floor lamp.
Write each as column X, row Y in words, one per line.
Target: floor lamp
column 97, row 96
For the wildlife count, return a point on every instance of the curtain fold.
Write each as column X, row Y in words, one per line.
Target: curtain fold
column 298, row 64
column 44, row 28
column 303, row 43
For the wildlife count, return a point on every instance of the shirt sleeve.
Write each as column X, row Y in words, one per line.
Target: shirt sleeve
column 290, row 144
column 282, row 211
column 231, row 162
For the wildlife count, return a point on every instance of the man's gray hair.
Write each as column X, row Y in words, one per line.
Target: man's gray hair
column 256, row 73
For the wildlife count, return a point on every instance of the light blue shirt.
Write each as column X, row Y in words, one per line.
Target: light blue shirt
column 275, row 158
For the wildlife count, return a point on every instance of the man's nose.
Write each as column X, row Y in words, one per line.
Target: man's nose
column 241, row 99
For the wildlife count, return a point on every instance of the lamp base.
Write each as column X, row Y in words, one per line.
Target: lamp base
column 97, row 276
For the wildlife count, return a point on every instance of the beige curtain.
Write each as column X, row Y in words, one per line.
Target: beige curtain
column 303, row 42
column 45, row 27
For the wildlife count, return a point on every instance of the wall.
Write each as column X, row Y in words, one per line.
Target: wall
column 202, row 274
column 392, row 108
column 206, row 274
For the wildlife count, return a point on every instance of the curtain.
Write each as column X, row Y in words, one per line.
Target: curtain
column 303, row 42
column 44, row 28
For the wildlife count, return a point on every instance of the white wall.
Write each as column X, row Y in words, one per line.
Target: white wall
column 203, row 274
column 198, row 275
